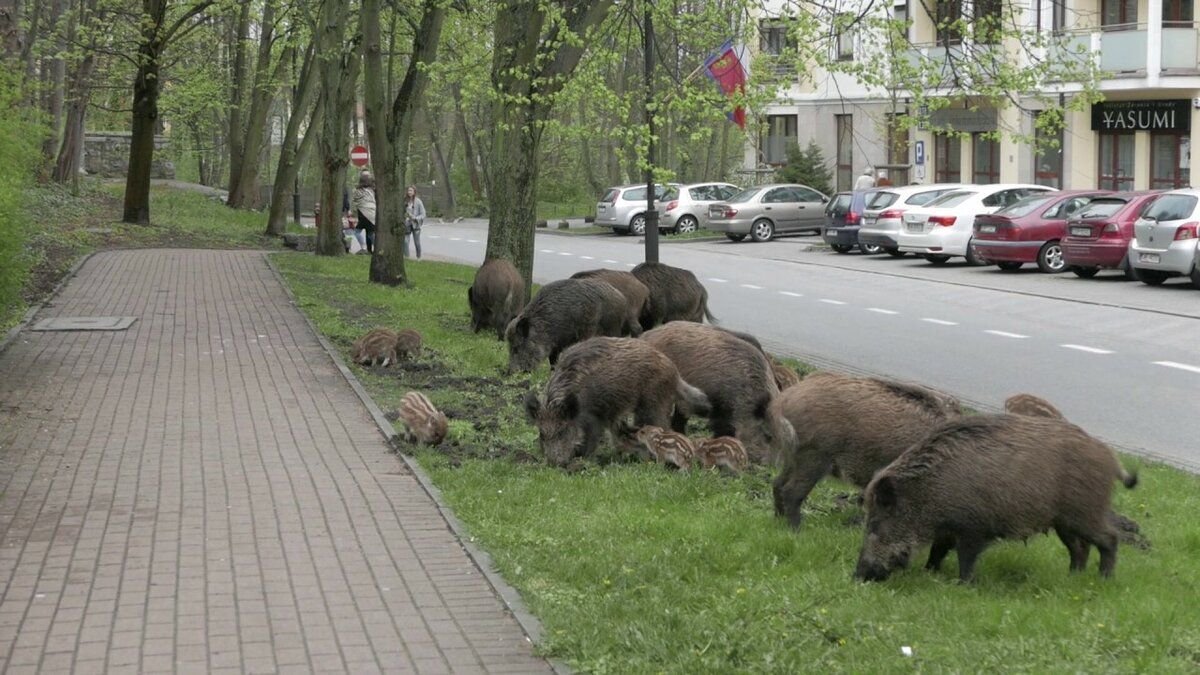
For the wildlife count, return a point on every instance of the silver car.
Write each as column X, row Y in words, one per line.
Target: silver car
column 685, row 208
column 623, row 208
column 883, row 217
column 1164, row 239
column 767, row 210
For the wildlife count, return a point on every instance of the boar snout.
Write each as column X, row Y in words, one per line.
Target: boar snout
column 870, row 570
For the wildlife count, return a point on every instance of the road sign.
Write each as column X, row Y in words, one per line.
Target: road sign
column 359, row 155
column 919, row 153
column 920, row 172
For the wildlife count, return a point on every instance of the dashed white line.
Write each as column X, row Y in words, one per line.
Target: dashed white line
column 565, row 253
column 1090, row 350
column 1180, row 366
column 718, row 281
column 473, row 241
column 610, row 261
column 831, row 302
column 791, row 294
column 587, row 257
column 1003, row 333
column 752, row 287
column 631, row 264
column 455, row 238
column 545, row 250
column 434, row 236
column 880, row 310
column 940, row 322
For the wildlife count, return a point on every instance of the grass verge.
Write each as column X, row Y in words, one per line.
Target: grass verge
column 633, row 569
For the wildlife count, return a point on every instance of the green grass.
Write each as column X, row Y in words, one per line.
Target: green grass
column 555, row 211
column 633, row 569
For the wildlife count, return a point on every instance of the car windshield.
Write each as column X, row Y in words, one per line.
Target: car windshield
column 923, row 198
column 881, row 199
column 611, row 195
column 745, row 195
column 1171, row 207
column 1025, row 206
column 1101, row 208
column 840, row 203
column 951, row 199
column 671, row 193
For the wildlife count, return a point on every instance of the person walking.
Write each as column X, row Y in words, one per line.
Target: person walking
column 414, row 218
column 363, row 202
column 866, row 181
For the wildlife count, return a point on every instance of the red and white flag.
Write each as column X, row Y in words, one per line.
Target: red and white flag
column 727, row 67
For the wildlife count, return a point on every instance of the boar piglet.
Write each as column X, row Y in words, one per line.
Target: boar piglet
column 667, row 447
column 423, row 422
column 725, row 452
column 496, row 296
column 562, row 313
column 1028, row 404
column 377, row 345
column 985, row 477
column 595, row 385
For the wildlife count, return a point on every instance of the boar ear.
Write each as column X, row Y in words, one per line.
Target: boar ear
column 521, row 327
column 570, row 406
column 884, row 495
column 532, row 404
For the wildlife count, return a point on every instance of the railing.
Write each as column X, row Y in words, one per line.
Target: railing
column 1126, row 50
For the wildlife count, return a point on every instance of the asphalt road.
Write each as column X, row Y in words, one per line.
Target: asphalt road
column 1118, row 358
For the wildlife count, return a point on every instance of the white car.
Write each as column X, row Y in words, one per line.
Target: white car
column 942, row 228
column 1164, row 239
column 684, row 208
column 883, row 218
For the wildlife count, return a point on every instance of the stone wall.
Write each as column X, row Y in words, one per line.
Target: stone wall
column 106, row 153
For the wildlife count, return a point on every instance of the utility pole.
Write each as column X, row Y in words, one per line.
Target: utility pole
column 296, row 111
column 651, row 211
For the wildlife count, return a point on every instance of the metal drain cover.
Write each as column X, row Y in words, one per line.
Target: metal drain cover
column 85, row 323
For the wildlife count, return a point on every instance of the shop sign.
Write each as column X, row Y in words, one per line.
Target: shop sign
column 1168, row 115
column 965, row 121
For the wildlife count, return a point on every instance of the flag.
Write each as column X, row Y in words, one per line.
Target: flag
column 727, row 68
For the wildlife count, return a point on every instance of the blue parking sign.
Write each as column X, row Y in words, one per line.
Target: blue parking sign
column 919, row 151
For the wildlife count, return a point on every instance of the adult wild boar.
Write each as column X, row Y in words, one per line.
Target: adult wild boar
column 635, row 292
column 562, row 313
column 675, row 295
column 595, row 385
column 1028, row 404
column 496, row 296
column 980, row 478
column 851, row 427
column 734, row 375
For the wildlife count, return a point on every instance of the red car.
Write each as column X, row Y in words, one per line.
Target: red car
column 1098, row 236
column 1029, row 231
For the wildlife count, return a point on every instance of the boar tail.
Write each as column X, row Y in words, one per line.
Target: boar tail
column 696, row 400
column 708, row 314
column 1128, row 479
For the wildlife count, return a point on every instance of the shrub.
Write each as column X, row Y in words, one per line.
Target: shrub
column 808, row 167
column 19, row 157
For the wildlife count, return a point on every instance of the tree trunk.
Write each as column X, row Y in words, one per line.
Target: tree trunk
column 291, row 152
column 469, row 155
column 66, row 168
column 10, row 31
column 237, row 102
column 141, row 141
column 57, row 83
column 339, row 60
column 265, row 85
column 443, row 169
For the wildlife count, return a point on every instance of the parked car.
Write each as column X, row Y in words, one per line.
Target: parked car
column 1098, row 236
column 767, row 210
column 623, row 208
column 843, row 218
column 1164, row 239
column 1030, row 231
column 885, row 209
column 942, row 229
column 684, row 208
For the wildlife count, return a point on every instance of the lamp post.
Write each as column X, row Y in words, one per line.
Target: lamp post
column 651, row 211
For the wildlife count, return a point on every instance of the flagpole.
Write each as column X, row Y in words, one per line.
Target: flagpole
column 651, row 212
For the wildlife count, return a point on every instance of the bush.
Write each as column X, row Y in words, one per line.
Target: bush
column 807, row 167
column 19, row 156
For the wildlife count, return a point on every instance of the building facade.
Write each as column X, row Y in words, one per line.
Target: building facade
column 1139, row 137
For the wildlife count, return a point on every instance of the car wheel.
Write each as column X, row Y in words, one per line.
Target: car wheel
column 1050, row 258
column 762, row 230
column 971, row 256
column 870, row 249
column 937, row 259
column 638, row 224
column 1009, row 265
column 735, row 237
column 1149, row 277
column 895, row 252
column 1085, row 272
column 622, row 231
column 1195, row 275
column 841, row 248
column 686, row 224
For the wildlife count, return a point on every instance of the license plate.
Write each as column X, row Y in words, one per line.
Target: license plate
column 1148, row 257
column 1081, row 231
column 916, row 228
column 868, row 222
column 987, row 228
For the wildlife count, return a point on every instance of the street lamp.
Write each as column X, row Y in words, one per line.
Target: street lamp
column 651, row 212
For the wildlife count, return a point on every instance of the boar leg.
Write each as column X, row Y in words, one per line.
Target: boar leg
column 798, row 477
column 1076, row 546
column 969, row 548
column 942, row 545
column 1108, row 553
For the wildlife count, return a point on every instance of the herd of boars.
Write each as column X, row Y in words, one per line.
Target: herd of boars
column 633, row 344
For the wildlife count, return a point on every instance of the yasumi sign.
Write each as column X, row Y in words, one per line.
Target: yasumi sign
column 359, row 155
column 1169, row 115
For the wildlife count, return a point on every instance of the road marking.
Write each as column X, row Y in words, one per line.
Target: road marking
column 752, row 287
column 610, row 260
column 1006, row 334
column 941, row 322
column 1090, row 350
column 455, row 238
column 545, row 250
column 631, row 264
column 587, row 257
column 879, row 310
column 718, row 281
column 832, row 302
column 434, row 236
column 565, row 253
column 790, row 294
column 473, row 241
column 1180, row 366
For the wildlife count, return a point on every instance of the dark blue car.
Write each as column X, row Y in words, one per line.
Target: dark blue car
column 843, row 218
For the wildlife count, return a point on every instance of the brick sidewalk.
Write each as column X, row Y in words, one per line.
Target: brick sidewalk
column 204, row 492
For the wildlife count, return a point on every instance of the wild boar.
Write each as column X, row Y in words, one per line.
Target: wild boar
column 377, row 345
column 635, row 292
column 734, row 375
column 675, row 294
column 979, row 478
column 1028, row 404
column 851, row 427
column 784, row 376
column 408, row 343
column 725, row 452
column 564, row 312
column 423, row 422
column 595, row 385
column 667, row 447
column 496, row 296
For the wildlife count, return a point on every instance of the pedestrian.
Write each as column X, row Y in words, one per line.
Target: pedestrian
column 883, row 180
column 414, row 218
column 866, row 181
column 363, row 201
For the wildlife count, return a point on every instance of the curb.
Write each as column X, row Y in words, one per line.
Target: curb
column 508, row 595
column 12, row 333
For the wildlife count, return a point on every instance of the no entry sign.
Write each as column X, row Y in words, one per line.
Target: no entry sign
column 359, row 155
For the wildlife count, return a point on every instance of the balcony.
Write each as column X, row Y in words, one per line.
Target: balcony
column 1125, row 51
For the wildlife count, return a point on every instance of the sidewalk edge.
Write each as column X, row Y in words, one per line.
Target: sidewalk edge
column 483, row 561
column 12, row 333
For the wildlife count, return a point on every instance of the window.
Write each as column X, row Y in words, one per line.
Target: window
column 1116, row 162
column 897, row 150
column 1058, row 15
column 845, row 151
column 778, row 195
column 900, row 16
column 948, row 19
column 844, row 24
column 1118, row 14
column 1177, row 13
column 986, row 153
column 1172, row 207
column 1170, row 161
column 775, row 38
column 781, row 135
column 1066, row 208
column 947, row 158
column 1047, row 156
column 808, row 194
column 727, row 191
column 989, row 16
